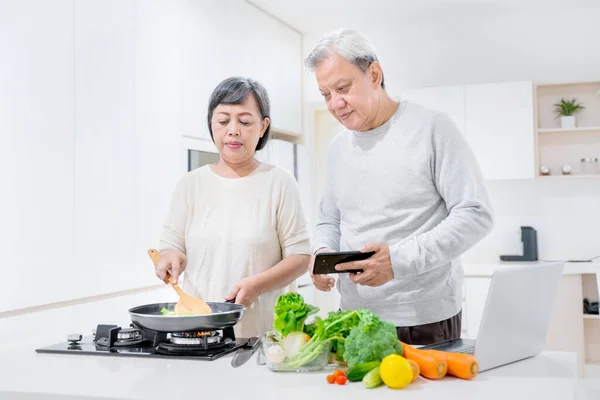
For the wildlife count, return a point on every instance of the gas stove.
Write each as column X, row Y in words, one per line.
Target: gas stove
column 134, row 341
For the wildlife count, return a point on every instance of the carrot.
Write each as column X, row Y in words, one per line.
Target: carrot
column 464, row 366
column 430, row 365
column 416, row 370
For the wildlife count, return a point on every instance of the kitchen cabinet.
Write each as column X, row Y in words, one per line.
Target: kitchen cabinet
column 107, row 148
column 270, row 54
column 497, row 120
column 499, row 126
column 36, row 151
column 447, row 99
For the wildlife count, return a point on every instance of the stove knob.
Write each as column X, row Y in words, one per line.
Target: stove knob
column 74, row 337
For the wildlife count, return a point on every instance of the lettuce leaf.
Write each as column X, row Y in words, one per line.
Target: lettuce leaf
column 291, row 313
column 165, row 311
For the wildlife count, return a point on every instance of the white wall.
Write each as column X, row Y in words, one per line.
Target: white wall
column 542, row 46
column 96, row 97
column 566, row 214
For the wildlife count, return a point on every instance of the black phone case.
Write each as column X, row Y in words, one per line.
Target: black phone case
column 325, row 262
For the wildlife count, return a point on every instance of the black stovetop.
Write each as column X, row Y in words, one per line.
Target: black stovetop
column 133, row 341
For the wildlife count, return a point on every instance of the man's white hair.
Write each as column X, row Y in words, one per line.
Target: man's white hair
column 351, row 45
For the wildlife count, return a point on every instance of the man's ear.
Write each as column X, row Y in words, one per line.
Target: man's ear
column 375, row 73
column 265, row 124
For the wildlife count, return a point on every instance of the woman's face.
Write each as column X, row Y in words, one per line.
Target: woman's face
column 236, row 130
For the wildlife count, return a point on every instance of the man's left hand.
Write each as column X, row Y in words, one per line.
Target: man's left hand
column 377, row 269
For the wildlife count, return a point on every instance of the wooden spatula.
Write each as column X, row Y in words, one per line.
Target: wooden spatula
column 187, row 304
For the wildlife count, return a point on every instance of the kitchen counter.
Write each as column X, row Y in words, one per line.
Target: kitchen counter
column 25, row 374
column 487, row 269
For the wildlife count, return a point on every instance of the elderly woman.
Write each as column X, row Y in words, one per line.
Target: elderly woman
column 237, row 227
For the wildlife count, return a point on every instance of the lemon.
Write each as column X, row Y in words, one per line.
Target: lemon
column 395, row 371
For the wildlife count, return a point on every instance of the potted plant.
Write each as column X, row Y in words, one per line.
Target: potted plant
column 566, row 110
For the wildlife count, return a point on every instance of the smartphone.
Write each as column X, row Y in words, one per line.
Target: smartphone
column 325, row 262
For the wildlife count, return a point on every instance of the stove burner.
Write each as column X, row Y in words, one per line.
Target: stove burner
column 198, row 343
column 113, row 336
column 191, row 349
column 129, row 334
column 196, row 338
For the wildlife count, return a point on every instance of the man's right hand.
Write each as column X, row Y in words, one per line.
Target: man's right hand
column 321, row 282
column 171, row 260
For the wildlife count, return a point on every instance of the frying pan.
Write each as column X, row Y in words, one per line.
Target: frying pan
column 224, row 315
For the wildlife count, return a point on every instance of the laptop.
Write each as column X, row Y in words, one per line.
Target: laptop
column 516, row 316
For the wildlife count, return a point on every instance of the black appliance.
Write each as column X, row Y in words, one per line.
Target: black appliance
column 530, row 246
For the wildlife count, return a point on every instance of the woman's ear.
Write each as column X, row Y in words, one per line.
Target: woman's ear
column 265, row 125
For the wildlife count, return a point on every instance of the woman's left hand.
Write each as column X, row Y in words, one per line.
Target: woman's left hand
column 245, row 292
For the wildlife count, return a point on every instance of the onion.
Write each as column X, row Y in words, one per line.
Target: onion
column 275, row 354
column 293, row 342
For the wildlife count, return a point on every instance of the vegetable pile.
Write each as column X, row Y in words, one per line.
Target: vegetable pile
column 359, row 339
column 397, row 372
column 354, row 336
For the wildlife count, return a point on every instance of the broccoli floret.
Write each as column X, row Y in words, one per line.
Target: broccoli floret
column 371, row 340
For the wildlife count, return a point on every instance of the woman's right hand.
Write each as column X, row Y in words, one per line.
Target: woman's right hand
column 321, row 282
column 171, row 260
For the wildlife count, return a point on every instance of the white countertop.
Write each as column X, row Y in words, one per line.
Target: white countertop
column 487, row 269
column 25, row 374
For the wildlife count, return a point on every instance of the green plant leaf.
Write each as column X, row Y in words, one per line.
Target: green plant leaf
column 567, row 108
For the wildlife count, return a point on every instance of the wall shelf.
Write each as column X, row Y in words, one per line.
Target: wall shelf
column 591, row 328
column 556, row 146
column 575, row 176
column 579, row 129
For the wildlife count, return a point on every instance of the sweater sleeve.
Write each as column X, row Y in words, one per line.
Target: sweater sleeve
column 459, row 181
column 291, row 220
column 173, row 233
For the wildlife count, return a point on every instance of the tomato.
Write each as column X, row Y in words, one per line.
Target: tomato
column 339, row 372
column 341, row 379
column 330, row 379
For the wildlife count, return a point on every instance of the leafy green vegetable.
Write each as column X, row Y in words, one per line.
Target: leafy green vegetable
column 356, row 336
column 371, row 340
column 291, row 313
column 334, row 328
column 165, row 311
column 310, row 329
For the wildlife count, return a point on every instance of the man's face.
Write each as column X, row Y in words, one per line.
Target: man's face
column 350, row 94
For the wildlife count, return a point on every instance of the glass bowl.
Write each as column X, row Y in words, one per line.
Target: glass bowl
column 274, row 355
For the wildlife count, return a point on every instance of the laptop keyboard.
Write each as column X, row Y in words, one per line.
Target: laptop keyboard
column 466, row 350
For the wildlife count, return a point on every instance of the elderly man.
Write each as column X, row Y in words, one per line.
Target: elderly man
column 401, row 181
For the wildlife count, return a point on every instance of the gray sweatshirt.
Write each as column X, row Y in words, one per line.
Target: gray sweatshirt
column 414, row 184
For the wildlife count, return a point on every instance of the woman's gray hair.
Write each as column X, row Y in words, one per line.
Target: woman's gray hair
column 235, row 90
column 351, row 45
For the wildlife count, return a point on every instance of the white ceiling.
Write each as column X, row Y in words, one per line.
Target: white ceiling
column 319, row 16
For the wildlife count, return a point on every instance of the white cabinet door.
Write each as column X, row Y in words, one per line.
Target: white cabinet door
column 36, row 152
column 447, row 99
column 499, row 126
column 476, row 292
column 104, row 148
